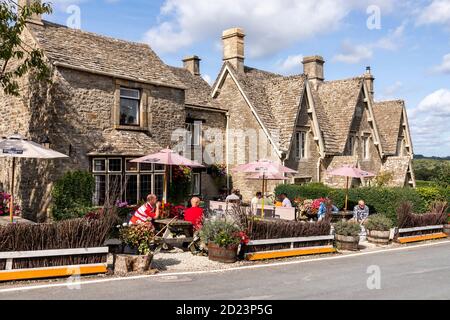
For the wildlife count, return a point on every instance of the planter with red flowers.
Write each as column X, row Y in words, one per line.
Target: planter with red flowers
column 223, row 238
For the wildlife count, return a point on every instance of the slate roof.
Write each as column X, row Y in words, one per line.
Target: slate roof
column 198, row 91
column 96, row 53
column 335, row 107
column 388, row 115
column 276, row 100
column 124, row 143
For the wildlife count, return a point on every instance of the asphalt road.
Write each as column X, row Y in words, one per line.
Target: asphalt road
column 415, row 273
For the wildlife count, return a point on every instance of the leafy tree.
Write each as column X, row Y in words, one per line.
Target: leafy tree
column 13, row 19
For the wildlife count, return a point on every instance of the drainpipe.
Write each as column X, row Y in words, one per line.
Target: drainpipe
column 319, row 162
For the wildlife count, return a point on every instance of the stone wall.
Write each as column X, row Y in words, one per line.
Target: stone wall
column 212, row 150
column 307, row 167
column 74, row 111
column 245, row 135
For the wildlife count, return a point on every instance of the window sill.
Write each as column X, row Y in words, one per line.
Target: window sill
column 130, row 128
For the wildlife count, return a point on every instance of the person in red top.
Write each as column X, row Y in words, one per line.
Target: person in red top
column 149, row 210
column 194, row 214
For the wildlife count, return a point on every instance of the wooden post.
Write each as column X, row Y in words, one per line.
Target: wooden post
column 11, row 199
column 346, row 196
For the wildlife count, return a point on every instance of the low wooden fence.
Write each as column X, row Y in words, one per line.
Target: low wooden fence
column 288, row 247
column 52, row 263
column 408, row 235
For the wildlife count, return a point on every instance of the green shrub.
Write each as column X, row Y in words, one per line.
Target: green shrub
column 379, row 222
column 347, row 228
column 72, row 195
column 221, row 232
column 379, row 199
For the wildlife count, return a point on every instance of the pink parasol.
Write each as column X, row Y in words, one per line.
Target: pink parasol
column 264, row 167
column 269, row 176
column 264, row 170
column 350, row 172
column 167, row 157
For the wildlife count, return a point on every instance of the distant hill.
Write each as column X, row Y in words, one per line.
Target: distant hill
column 422, row 157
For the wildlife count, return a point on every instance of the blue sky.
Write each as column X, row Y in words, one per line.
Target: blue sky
column 408, row 50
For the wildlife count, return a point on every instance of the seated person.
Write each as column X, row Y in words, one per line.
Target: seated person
column 148, row 211
column 233, row 197
column 255, row 201
column 194, row 214
column 285, row 202
column 361, row 212
column 325, row 207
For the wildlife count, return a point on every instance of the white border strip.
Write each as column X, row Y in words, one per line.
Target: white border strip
column 421, row 228
column 257, row 266
column 52, row 253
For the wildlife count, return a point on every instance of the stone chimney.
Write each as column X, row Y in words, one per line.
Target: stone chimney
column 233, row 47
column 35, row 18
column 369, row 79
column 313, row 67
column 192, row 64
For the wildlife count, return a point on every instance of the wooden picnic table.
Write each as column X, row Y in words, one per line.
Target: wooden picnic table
column 346, row 215
column 176, row 227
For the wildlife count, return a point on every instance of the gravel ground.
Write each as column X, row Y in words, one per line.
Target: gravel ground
column 177, row 261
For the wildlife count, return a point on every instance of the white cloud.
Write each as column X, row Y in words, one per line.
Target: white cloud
column 438, row 12
column 207, row 78
column 444, row 67
column 429, row 124
column 392, row 91
column 271, row 25
column 291, row 65
column 356, row 53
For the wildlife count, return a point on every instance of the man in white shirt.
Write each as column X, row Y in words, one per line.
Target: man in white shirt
column 286, row 203
column 255, row 201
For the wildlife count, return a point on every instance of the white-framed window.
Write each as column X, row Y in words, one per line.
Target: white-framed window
column 400, row 146
column 130, row 102
column 301, row 143
column 196, row 183
column 131, row 166
column 351, row 145
column 116, row 178
column 366, row 147
column 115, row 165
column 194, row 133
column 99, row 165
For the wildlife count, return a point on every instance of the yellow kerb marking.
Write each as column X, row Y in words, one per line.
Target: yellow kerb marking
column 66, row 271
column 287, row 253
column 422, row 238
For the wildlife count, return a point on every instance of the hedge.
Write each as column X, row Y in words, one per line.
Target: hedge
column 72, row 195
column 381, row 200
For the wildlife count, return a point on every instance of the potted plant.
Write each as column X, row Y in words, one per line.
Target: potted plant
column 139, row 240
column 223, row 238
column 378, row 229
column 347, row 235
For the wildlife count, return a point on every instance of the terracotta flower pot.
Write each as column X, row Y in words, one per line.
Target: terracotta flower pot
column 222, row 254
column 378, row 237
column 347, row 242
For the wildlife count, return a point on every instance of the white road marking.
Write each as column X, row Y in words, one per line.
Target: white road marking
column 269, row 265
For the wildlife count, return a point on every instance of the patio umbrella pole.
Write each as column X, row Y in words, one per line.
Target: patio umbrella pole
column 11, row 199
column 264, row 194
column 346, row 196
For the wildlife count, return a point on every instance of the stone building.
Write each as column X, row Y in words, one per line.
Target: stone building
column 309, row 124
column 110, row 101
